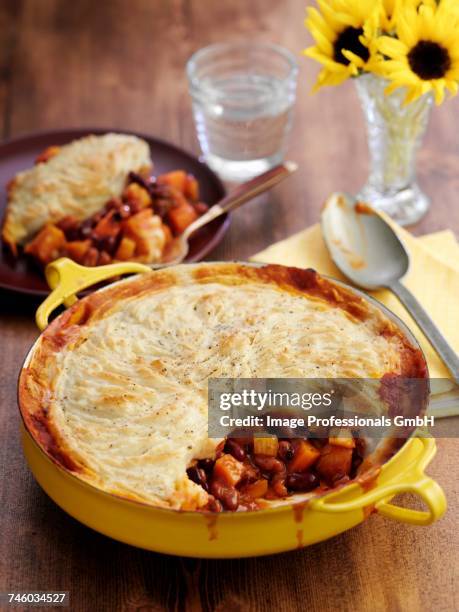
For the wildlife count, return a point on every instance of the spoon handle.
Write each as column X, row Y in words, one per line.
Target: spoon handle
column 431, row 331
column 242, row 194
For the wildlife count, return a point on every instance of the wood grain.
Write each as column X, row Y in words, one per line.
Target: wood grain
column 121, row 64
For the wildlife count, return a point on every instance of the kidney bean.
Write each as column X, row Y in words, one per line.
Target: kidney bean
column 206, row 464
column 109, row 243
column 86, row 229
column 250, row 473
column 104, row 258
column 68, row 225
column 269, row 464
column 220, row 449
column 214, row 505
column 278, row 485
column 227, row 495
column 124, row 211
column 114, row 203
column 234, row 448
column 306, row 481
column 198, row 475
column 285, row 450
column 91, row 257
column 133, row 177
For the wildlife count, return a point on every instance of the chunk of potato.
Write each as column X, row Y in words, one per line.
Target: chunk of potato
column 256, row 489
column 77, row 249
column 191, row 188
column 47, row 244
column 146, row 230
column 334, row 463
column 175, row 178
column 107, row 226
column 305, row 455
column 180, row 217
column 137, row 194
column 228, row 470
column 126, row 249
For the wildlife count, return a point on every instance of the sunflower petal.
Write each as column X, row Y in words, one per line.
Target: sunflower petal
column 329, row 15
column 320, row 38
column 327, row 78
column 452, row 86
column 391, row 46
column 407, row 34
column 316, row 54
column 316, row 20
column 353, row 58
column 412, row 94
column 439, row 90
column 391, row 88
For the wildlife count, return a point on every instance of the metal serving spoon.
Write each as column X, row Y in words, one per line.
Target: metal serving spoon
column 368, row 251
column 179, row 247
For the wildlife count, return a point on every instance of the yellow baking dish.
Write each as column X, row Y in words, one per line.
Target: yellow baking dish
column 297, row 523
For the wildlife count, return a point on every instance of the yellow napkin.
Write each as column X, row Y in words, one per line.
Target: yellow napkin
column 433, row 278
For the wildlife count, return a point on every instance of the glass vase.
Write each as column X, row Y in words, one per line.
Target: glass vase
column 394, row 133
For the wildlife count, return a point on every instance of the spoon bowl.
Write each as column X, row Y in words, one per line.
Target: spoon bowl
column 368, row 251
column 362, row 244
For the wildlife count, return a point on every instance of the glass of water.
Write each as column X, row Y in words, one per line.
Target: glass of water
column 243, row 95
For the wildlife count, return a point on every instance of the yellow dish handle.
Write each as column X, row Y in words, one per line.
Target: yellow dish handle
column 414, row 481
column 66, row 278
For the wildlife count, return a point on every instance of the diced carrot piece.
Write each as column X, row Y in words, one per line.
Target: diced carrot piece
column 47, row 244
column 146, row 230
column 265, row 446
column 176, row 178
column 126, row 249
column 191, row 188
column 134, row 193
column 334, row 463
column 180, row 217
column 229, row 470
column 305, row 455
column 107, row 226
column 45, row 155
column 256, row 489
column 77, row 249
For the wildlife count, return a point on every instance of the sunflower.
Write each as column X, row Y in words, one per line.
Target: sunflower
column 389, row 11
column 425, row 55
column 342, row 30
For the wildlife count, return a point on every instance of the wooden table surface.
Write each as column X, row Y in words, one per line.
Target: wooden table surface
column 120, row 64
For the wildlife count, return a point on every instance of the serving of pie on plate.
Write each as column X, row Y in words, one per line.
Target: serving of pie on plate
column 94, row 200
column 115, row 390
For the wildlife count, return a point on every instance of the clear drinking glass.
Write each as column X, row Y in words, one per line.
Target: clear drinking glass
column 242, row 94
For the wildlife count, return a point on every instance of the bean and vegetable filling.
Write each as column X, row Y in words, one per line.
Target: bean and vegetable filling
column 247, row 470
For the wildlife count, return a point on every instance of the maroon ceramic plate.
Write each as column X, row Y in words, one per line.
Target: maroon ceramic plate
column 20, row 153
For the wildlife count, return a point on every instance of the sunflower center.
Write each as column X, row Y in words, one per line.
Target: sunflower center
column 348, row 39
column 429, row 60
